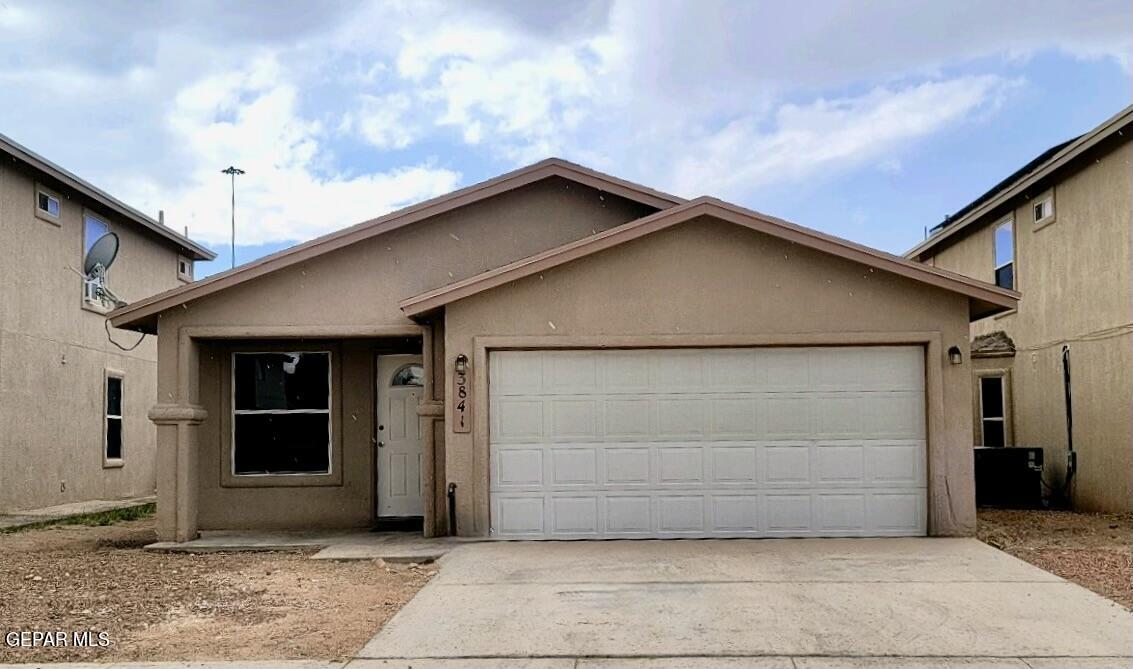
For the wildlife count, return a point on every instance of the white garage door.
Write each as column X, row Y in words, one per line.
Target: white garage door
column 744, row 442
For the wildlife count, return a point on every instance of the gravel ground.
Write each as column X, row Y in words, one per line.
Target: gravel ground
column 1094, row 550
column 162, row 606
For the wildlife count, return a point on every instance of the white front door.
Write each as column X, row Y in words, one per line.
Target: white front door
column 740, row 442
column 400, row 379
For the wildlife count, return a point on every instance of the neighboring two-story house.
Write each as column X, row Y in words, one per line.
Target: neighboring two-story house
column 73, row 404
column 1060, row 231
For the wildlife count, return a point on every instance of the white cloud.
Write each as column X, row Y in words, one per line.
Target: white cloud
column 695, row 97
column 827, row 134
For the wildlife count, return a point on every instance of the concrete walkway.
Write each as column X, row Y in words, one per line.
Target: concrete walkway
column 17, row 519
column 769, row 603
column 632, row 663
column 335, row 545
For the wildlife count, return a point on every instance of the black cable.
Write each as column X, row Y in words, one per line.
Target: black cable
column 106, row 324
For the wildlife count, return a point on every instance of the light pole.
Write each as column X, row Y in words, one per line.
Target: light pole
column 232, row 172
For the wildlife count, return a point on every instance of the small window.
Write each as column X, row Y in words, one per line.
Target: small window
column 281, row 422
column 112, row 443
column 1043, row 209
column 48, row 204
column 184, row 269
column 993, row 411
column 409, row 375
column 1005, row 255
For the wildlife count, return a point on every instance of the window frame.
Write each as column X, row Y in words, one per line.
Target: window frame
column 996, row 265
column 1004, row 376
column 333, row 475
column 1046, row 197
column 107, row 461
column 187, row 277
column 54, row 219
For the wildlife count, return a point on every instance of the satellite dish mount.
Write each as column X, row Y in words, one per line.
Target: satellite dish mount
column 95, row 265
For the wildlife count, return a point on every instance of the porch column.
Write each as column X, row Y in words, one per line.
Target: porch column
column 177, row 469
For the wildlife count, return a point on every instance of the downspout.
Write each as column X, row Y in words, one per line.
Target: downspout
column 1071, row 456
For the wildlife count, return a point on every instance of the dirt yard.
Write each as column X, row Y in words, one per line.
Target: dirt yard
column 1094, row 550
column 159, row 606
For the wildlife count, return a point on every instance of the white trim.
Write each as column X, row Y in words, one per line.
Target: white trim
column 1002, row 378
column 1045, row 200
column 252, row 412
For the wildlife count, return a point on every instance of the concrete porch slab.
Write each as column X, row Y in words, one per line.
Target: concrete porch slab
column 335, row 545
column 62, row 512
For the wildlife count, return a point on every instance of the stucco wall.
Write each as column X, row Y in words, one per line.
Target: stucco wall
column 54, row 353
column 706, row 279
column 1076, row 276
column 357, row 286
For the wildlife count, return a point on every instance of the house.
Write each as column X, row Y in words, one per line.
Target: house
column 558, row 353
column 73, row 405
column 1060, row 230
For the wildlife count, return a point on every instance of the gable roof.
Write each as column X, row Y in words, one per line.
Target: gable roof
column 139, row 315
column 1025, row 177
column 21, row 153
column 984, row 298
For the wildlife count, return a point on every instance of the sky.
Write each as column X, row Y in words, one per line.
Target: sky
column 867, row 120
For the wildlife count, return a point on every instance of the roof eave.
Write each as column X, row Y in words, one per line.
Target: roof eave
column 41, row 164
column 138, row 312
column 1087, row 141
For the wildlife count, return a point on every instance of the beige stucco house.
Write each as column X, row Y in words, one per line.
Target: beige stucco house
column 73, row 405
column 558, row 353
column 1060, row 230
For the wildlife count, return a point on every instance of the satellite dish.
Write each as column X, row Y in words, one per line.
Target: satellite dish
column 101, row 254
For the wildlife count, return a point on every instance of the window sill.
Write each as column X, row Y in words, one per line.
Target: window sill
column 331, row 480
column 1040, row 224
column 44, row 216
column 113, row 463
column 95, row 308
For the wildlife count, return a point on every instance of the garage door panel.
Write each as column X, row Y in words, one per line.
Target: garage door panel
column 752, row 442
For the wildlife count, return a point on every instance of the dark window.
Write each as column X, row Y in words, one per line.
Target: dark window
column 992, row 411
column 409, row 375
column 281, row 413
column 113, row 418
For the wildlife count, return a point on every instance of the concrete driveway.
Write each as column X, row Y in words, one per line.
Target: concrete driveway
column 766, row 603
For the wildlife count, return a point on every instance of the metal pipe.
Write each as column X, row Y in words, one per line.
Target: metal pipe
column 452, row 509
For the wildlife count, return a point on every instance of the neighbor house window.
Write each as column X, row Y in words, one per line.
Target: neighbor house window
column 184, row 269
column 1043, row 209
column 46, row 204
column 281, row 420
column 112, row 442
column 93, row 229
column 993, row 411
column 1005, row 255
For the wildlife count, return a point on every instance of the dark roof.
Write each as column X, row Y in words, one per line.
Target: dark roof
column 998, row 188
column 1019, row 182
column 993, row 343
column 25, row 155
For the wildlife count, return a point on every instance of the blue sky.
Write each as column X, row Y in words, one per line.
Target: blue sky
column 866, row 120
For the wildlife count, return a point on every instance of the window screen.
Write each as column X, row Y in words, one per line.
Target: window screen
column 281, row 413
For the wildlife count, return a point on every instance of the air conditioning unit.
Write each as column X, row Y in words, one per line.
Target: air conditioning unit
column 1009, row 477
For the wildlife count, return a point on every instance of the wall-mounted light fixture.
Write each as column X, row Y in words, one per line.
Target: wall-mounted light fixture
column 461, row 364
column 955, row 356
